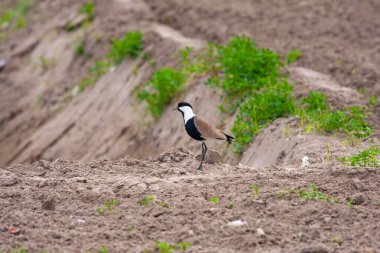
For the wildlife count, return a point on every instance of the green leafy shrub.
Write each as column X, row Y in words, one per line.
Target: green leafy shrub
column 162, row 86
column 251, row 80
column 367, row 158
column 129, row 45
column 260, row 110
column 255, row 87
column 316, row 111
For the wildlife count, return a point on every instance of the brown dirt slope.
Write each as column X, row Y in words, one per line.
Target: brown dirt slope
column 42, row 116
column 52, row 205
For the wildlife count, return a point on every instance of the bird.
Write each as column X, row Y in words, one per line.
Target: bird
column 199, row 129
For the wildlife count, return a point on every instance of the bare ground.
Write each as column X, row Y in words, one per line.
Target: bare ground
column 289, row 223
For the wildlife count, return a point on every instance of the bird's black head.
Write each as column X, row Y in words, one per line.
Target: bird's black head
column 181, row 104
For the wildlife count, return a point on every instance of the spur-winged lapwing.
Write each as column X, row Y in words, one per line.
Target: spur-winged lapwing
column 199, row 129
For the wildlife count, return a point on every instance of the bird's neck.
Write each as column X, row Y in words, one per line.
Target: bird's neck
column 187, row 114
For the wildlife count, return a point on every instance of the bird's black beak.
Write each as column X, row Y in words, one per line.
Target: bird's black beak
column 175, row 109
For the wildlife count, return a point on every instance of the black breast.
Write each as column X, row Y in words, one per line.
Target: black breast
column 192, row 130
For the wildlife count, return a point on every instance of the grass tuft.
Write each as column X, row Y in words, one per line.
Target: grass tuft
column 164, row 247
column 293, row 55
column 107, row 207
column 316, row 112
column 130, row 45
column 159, row 90
column 367, row 158
column 311, row 193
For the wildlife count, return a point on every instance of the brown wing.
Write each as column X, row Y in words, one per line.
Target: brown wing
column 207, row 130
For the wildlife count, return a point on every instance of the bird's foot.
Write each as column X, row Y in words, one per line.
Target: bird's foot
column 200, row 168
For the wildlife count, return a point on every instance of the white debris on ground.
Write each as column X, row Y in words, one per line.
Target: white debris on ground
column 237, row 223
column 260, row 232
column 305, row 162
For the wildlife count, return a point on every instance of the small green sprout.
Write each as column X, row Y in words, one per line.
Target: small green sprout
column 108, row 205
column 230, row 205
column 111, row 203
column 336, row 240
column 147, row 200
column 256, row 189
column 311, row 193
column 164, row 247
column 293, row 56
column 214, row 200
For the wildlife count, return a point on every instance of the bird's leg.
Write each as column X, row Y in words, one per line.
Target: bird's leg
column 204, row 150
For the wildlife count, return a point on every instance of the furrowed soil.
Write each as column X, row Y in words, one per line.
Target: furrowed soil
column 52, row 206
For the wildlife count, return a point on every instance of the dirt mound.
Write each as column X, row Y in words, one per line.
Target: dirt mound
column 52, row 205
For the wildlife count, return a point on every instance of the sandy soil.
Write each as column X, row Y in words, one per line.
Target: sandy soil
column 52, row 205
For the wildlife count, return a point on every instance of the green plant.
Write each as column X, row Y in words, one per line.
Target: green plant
column 256, row 189
column 367, row 158
column 47, row 63
column 19, row 250
column 260, row 110
column 164, row 247
column 79, row 48
column 372, row 101
column 129, row 45
column 14, row 18
column 328, row 148
column 89, row 10
column 214, row 200
column 147, row 200
column 251, row 80
column 111, row 203
column 293, row 55
column 336, row 240
column 311, row 193
column 101, row 210
column 108, row 205
column 162, row 86
column 94, row 73
column 315, row 110
column 230, row 206
column 103, row 250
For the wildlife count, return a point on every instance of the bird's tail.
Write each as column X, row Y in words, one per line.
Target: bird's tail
column 229, row 138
